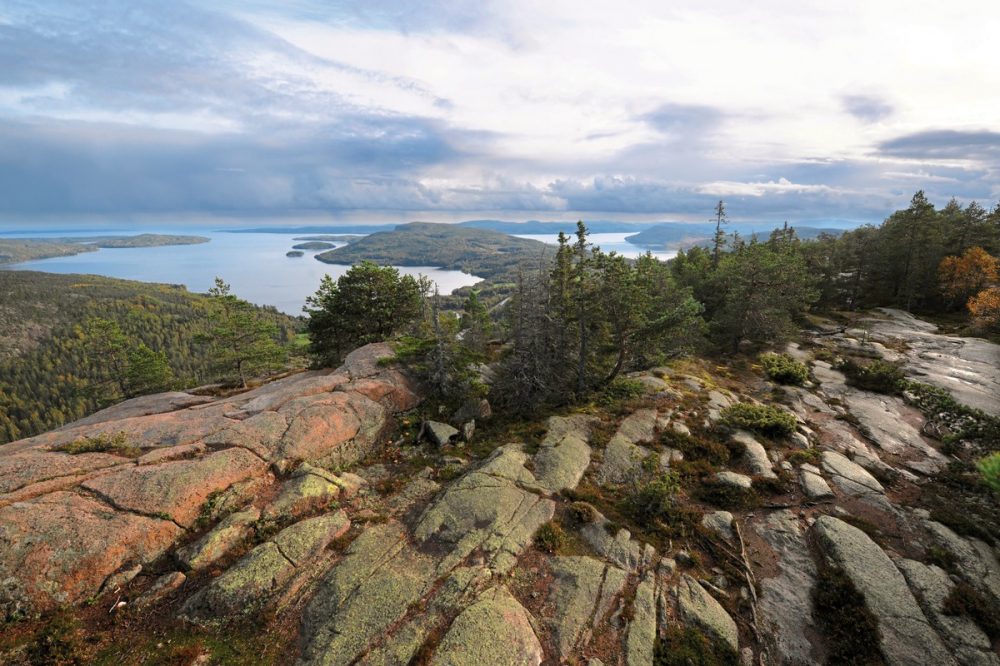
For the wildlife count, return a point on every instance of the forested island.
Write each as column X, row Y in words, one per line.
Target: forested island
column 313, row 245
column 488, row 254
column 16, row 250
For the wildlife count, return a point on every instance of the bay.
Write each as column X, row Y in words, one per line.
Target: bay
column 254, row 265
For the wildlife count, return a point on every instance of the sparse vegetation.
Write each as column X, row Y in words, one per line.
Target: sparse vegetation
column 989, row 467
column 784, row 369
column 686, row 646
column 764, row 419
column 117, row 443
column 725, row 495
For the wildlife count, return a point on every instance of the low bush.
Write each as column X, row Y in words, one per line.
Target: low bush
column 764, row 419
column 811, row 456
column 700, row 448
column 989, row 467
column 878, row 376
column 550, row 538
column 102, row 443
column 655, row 499
column 725, row 495
column 784, row 369
column 619, row 391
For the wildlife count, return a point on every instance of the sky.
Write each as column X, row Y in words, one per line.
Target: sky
column 444, row 110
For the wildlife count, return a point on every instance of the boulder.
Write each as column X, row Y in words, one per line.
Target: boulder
column 813, row 484
column 733, row 479
column 755, row 456
column 439, row 433
column 721, row 523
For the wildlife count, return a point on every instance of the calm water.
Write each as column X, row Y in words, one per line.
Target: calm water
column 254, row 265
column 609, row 242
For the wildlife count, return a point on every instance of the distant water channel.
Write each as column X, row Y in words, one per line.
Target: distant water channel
column 254, row 265
column 609, row 243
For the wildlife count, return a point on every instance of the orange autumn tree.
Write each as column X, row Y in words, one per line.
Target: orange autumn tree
column 985, row 309
column 961, row 277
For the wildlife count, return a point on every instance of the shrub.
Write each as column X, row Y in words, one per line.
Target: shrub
column 811, row 456
column 725, row 495
column 550, row 538
column 102, row 443
column 685, row 646
column 654, row 500
column 698, row 448
column 583, row 513
column 621, row 390
column 878, row 376
column 58, row 643
column 851, row 629
column 764, row 419
column 989, row 467
column 784, row 369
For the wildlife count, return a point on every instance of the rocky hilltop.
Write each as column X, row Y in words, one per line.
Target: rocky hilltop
column 297, row 515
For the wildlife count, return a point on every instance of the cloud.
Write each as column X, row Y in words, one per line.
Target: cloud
column 867, row 108
column 944, row 144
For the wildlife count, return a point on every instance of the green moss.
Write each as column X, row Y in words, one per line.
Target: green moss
column 58, row 643
column 102, row 443
column 764, row 419
column 685, row 646
column 784, row 369
column 850, row 628
column 621, row 390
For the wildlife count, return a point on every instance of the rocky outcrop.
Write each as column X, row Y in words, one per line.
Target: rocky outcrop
column 699, row 609
column 69, row 522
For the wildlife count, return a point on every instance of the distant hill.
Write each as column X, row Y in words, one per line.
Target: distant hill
column 536, row 227
column 481, row 252
column 681, row 235
column 338, row 229
column 16, row 250
column 331, row 238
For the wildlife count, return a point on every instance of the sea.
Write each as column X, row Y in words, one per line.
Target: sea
column 254, row 264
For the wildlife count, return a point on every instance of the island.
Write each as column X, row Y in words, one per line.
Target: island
column 314, row 245
column 17, row 250
column 294, row 253
column 481, row 252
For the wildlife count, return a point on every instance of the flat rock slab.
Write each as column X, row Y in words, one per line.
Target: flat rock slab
column 178, row 489
column 850, row 477
column 32, row 466
column 564, row 454
column 494, row 631
column 813, row 484
column 932, row 585
column 300, row 495
column 968, row 368
column 785, row 600
column 264, row 570
column 145, row 405
column 367, row 592
column 495, row 508
column 906, row 636
column 699, row 609
column 219, row 541
column 640, row 643
column 884, row 419
column 60, row 548
column 622, row 462
column 582, row 593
